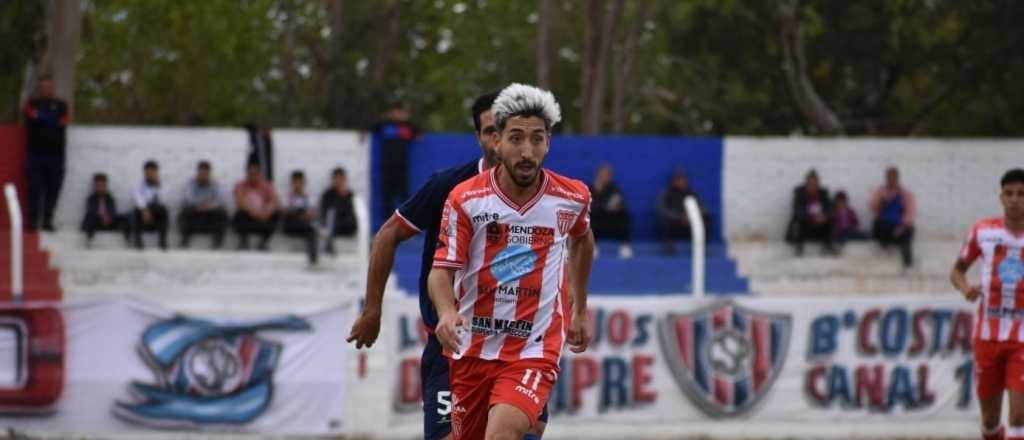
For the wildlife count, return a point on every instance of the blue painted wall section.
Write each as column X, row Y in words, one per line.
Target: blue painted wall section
column 643, row 165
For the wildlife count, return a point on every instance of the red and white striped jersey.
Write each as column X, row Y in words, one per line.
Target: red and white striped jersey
column 511, row 261
column 1001, row 308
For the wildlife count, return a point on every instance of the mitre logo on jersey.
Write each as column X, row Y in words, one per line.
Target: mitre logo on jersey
column 565, row 220
column 725, row 357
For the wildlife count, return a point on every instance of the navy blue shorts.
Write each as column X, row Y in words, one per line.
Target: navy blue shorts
column 437, row 394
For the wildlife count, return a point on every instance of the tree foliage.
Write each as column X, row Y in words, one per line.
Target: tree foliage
column 879, row 67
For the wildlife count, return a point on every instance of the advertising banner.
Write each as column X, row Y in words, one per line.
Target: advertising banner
column 852, row 364
column 127, row 366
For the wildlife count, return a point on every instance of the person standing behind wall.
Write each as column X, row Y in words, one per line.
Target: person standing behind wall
column 46, row 121
column 396, row 135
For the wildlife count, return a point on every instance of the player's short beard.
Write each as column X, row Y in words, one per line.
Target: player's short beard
column 527, row 182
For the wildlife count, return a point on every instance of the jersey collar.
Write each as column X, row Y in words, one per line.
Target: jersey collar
column 508, row 201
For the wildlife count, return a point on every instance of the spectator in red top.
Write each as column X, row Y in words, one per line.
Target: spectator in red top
column 845, row 223
column 46, row 121
column 894, row 209
column 257, row 208
column 812, row 215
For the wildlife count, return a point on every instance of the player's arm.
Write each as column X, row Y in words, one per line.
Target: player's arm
column 450, row 324
column 382, row 258
column 958, row 276
column 581, row 258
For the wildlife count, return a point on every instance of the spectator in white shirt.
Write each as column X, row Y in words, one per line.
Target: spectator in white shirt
column 150, row 213
column 299, row 215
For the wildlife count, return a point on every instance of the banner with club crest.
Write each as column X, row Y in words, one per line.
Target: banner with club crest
column 128, row 366
column 823, row 367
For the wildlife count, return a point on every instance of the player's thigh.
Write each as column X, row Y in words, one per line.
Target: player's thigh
column 437, row 396
column 471, row 383
column 990, row 368
column 507, row 422
column 525, row 384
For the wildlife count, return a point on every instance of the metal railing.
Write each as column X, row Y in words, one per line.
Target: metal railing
column 698, row 238
column 14, row 212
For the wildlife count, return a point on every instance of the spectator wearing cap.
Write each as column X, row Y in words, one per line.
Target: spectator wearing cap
column 150, row 212
column 337, row 209
column 894, row 208
column 203, row 209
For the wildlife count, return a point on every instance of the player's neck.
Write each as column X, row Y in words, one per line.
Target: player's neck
column 518, row 194
column 1014, row 225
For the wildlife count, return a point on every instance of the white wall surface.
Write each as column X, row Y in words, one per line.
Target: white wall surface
column 956, row 182
column 121, row 151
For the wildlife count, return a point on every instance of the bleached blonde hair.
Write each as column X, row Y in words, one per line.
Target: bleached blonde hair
column 524, row 100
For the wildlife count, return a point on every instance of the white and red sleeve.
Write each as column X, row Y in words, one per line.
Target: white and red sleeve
column 453, row 239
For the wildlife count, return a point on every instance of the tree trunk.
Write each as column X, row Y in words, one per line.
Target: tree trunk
column 386, row 45
column 794, row 64
column 335, row 92
column 63, row 21
column 286, row 113
column 598, row 34
column 624, row 64
column 543, row 46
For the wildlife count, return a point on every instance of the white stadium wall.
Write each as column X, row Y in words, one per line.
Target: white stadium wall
column 955, row 181
column 120, row 152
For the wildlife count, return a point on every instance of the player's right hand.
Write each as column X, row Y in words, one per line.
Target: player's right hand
column 450, row 327
column 365, row 329
column 972, row 293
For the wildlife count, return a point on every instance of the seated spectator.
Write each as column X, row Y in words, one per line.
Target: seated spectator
column 299, row 215
column 101, row 211
column 150, row 212
column 257, row 208
column 846, row 225
column 203, row 208
column 609, row 216
column 337, row 211
column 811, row 220
column 894, row 209
column 672, row 219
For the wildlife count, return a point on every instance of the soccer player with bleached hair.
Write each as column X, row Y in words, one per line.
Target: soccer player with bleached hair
column 514, row 241
column 422, row 213
column 998, row 331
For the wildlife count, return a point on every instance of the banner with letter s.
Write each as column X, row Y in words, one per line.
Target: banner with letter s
column 128, row 366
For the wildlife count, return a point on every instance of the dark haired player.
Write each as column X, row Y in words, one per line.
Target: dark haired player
column 998, row 333
column 422, row 213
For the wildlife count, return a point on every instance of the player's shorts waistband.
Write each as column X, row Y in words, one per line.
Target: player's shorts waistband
column 1004, row 312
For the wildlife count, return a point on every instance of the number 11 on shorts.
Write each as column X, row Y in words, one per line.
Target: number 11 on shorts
column 536, row 378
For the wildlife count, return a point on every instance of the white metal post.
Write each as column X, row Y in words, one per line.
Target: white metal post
column 697, row 236
column 14, row 211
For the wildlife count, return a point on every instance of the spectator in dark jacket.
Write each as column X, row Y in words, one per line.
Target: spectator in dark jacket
column 337, row 210
column 609, row 215
column 150, row 212
column 300, row 215
column 101, row 211
column 203, row 208
column 845, row 223
column 812, row 215
column 672, row 219
column 46, row 121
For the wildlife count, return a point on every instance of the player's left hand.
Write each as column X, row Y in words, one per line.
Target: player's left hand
column 580, row 332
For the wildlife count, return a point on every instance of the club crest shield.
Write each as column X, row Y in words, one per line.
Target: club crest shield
column 565, row 220
column 725, row 357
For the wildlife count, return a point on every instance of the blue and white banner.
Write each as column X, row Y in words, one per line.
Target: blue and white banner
column 128, row 366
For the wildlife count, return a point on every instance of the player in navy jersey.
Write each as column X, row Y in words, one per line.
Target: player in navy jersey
column 422, row 213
